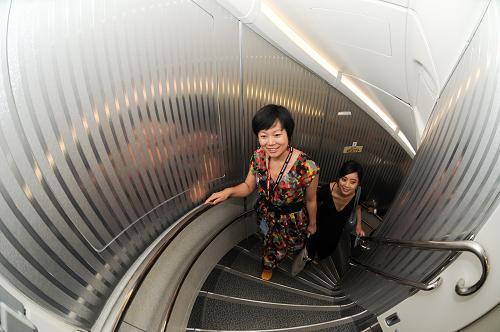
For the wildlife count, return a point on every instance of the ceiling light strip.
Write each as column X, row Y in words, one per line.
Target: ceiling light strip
column 294, row 37
column 361, row 95
column 347, row 82
column 405, row 140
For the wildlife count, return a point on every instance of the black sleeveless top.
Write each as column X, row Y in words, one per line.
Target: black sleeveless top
column 330, row 222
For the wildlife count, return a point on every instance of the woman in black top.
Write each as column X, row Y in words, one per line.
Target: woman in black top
column 335, row 204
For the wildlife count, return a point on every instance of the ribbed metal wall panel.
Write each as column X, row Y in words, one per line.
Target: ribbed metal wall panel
column 110, row 130
column 384, row 162
column 228, row 71
column 454, row 183
column 117, row 117
column 270, row 76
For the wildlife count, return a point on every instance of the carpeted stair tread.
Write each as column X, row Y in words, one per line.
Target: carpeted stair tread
column 240, row 261
column 222, row 315
column 224, row 283
column 311, row 272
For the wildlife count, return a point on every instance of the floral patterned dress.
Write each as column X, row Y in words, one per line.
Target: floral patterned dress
column 285, row 213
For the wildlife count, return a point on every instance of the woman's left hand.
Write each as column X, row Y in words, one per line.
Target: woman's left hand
column 311, row 229
column 359, row 230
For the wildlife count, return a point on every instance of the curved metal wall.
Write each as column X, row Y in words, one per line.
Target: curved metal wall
column 270, row 76
column 117, row 117
column 110, row 130
column 454, row 183
column 385, row 163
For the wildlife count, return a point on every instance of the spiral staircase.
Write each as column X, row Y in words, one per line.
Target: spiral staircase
column 234, row 298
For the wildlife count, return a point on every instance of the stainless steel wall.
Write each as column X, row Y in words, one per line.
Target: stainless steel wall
column 110, row 130
column 454, row 183
column 117, row 117
column 270, row 76
column 385, row 163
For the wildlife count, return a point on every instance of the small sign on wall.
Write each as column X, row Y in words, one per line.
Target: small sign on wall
column 354, row 148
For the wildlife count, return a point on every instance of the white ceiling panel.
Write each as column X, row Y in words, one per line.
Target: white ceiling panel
column 403, row 3
column 364, row 38
column 400, row 112
column 401, row 51
column 447, row 26
column 349, row 29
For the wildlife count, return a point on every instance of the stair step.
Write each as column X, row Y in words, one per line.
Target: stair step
column 278, row 305
column 244, row 261
column 367, row 324
column 311, row 272
column 331, row 267
column 375, row 327
column 329, row 270
column 342, row 299
column 235, row 298
column 252, row 288
column 224, row 315
column 308, row 275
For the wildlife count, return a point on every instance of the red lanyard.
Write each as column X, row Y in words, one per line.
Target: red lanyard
column 280, row 175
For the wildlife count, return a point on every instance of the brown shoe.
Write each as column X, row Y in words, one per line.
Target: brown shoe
column 267, row 274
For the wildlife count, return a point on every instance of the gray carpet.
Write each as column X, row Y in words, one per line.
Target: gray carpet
column 234, row 313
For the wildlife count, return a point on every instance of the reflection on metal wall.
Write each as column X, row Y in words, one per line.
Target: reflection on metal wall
column 227, row 54
column 109, row 132
column 269, row 76
column 454, row 183
column 118, row 117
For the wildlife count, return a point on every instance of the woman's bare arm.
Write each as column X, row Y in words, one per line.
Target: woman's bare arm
column 359, row 222
column 312, row 205
column 241, row 190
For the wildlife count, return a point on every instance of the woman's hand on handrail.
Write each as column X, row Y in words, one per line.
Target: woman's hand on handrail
column 219, row 197
column 241, row 190
column 359, row 231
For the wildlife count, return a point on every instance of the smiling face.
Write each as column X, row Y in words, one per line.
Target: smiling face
column 274, row 140
column 348, row 183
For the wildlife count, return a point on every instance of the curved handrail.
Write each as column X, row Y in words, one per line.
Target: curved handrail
column 140, row 274
column 465, row 245
column 374, row 213
column 170, row 307
column 406, row 282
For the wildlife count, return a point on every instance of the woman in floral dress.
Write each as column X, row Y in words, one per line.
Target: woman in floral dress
column 286, row 180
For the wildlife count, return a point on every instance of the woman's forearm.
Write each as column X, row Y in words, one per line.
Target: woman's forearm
column 358, row 217
column 359, row 222
column 240, row 190
column 311, row 207
column 311, row 203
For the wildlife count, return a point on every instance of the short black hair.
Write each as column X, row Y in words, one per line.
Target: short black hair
column 349, row 167
column 267, row 116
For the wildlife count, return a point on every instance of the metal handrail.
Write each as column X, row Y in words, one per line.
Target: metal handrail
column 455, row 246
column 399, row 280
column 374, row 213
column 201, row 249
column 134, row 283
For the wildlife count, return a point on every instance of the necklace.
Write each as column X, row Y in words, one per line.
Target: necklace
column 280, row 175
